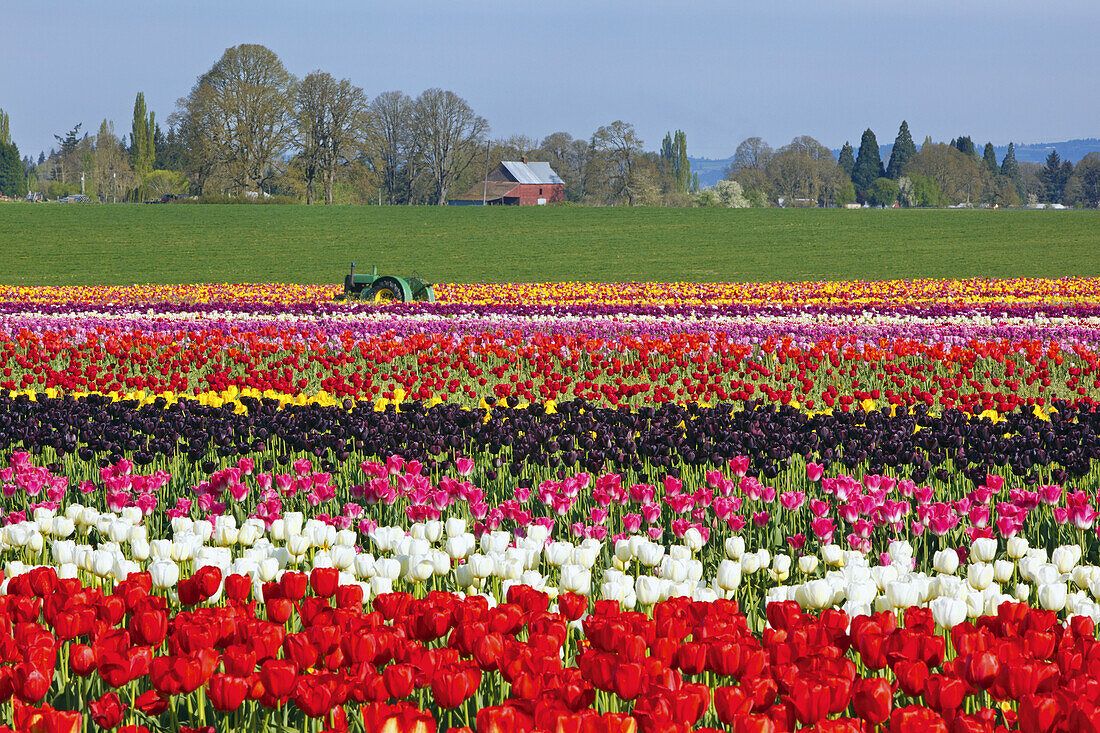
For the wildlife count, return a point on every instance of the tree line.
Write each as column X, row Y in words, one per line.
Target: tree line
column 806, row 173
column 249, row 129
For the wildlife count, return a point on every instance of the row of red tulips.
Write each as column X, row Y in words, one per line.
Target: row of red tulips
column 834, row 373
column 313, row 656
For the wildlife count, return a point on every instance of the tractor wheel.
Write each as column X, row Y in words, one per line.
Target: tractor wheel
column 387, row 290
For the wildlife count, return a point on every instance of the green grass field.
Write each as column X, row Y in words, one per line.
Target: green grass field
column 53, row 244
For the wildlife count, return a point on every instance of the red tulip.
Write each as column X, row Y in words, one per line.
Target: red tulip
column 572, row 605
column 1038, row 713
column 399, row 679
column 278, row 610
column 916, row 719
column 873, row 699
column 107, row 711
column 238, row 588
column 294, row 585
column 149, row 627
column 30, row 683
column 809, row 700
column 152, row 702
column 226, row 693
column 405, row 717
column 324, row 581
column 279, row 677
column 81, row 660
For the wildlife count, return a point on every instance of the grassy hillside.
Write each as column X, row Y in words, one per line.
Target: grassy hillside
column 73, row 244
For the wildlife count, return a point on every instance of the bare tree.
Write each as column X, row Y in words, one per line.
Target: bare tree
column 243, row 106
column 329, row 116
column 389, row 145
column 615, row 150
column 752, row 154
column 450, row 134
column 569, row 158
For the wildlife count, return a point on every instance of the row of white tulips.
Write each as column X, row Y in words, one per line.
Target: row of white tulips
column 635, row 570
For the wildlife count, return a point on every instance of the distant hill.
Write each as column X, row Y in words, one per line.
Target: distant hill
column 713, row 170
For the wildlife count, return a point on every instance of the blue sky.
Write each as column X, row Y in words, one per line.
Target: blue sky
column 721, row 70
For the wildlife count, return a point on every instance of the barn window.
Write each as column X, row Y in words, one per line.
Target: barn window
column 540, row 192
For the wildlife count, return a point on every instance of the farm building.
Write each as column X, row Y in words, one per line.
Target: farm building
column 515, row 183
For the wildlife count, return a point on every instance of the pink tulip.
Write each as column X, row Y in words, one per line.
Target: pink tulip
column 814, row 471
column 464, row 465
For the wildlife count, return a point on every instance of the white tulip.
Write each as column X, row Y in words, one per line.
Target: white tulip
column 1065, row 557
column 277, row 530
column 1052, row 596
column 902, row 594
column 455, row 526
column 623, row 551
column 164, row 574
column 674, row 571
column 729, row 575
column 979, row 575
column 298, row 545
column 984, row 549
column 945, row 561
column 948, row 612
column 1003, row 570
column 735, row 548
column 139, row 549
column 975, row 604
column 380, row 585
column 387, row 567
column 61, row 527
column 1017, row 547
column 558, row 553
column 832, row 555
column 815, row 595
column 861, row 592
column 651, row 554
column 482, row 565
column 693, row 539
column 292, row 523
column 433, row 530
column 575, row 579
column 364, row 565
column 808, row 563
column 883, row 575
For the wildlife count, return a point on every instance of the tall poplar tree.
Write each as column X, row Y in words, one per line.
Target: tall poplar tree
column 5, row 132
column 903, row 151
column 142, row 145
column 868, row 163
column 674, row 160
column 847, row 159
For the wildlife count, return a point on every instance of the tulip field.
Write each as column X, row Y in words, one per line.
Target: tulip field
column 632, row 508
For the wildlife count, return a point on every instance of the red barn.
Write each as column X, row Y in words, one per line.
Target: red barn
column 515, row 184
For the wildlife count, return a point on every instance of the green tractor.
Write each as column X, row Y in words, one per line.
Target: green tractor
column 375, row 288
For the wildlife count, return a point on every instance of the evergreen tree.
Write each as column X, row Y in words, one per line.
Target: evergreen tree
column 989, row 155
column 1010, row 168
column 965, row 145
column 142, row 145
column 41, row 157
column 5, row 132
column 904, row 149
column 1054, row 176
column 868, row 165
column 13, row 181
column 927, row 142
column 847, row 159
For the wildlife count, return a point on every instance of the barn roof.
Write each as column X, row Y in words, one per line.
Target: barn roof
column 491, row 190
column 532, row 173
